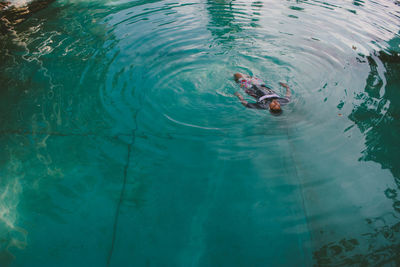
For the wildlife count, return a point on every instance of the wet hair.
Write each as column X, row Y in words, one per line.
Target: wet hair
column 273, row 110
column 273, row 105
column 276, row 112
column 236, row 77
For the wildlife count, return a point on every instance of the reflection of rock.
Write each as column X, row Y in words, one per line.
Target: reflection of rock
column 10, row 15
column 376, row 248
column 377, row 114
column 223, row 24
column 222, row 20
column 4, row 5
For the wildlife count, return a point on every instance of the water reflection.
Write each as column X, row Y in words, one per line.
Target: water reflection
column 222, row 20
column 379, row 247
column 44, row 111
column 227, row 19
column 376, row 114
column 358, row 3
column 11, row 15
column 378, row 111
column 61, row 141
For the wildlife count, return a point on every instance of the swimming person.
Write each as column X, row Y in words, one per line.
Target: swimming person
column 266, row 98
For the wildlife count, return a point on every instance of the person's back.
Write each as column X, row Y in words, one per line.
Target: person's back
column 266, row 98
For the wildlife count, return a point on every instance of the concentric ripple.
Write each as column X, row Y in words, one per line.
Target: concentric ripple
column 124, row 143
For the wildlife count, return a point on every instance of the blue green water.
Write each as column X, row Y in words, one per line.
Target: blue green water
column 122, row 143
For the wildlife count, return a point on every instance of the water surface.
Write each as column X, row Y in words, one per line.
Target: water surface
column 123, row 144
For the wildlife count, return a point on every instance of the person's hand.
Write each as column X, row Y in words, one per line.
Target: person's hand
column 239, row 95
column 284, row 84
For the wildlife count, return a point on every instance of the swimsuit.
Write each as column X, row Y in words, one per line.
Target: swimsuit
column 256, row 88
column 248, row 83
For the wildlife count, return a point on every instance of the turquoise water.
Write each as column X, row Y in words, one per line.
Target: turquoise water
column 123, row 144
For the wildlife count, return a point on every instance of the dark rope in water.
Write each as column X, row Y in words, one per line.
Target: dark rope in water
column 121, row 195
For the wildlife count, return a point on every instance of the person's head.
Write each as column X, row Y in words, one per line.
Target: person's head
column 237, row 76
column 275, row 107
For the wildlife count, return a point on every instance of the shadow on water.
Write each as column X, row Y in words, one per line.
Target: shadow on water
column 376, row 114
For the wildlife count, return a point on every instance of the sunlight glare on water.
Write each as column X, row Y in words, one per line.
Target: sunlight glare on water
column 124, row 145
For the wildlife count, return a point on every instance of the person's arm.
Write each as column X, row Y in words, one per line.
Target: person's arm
column 288, row 92
column 244, row 102
column 247, row 104
column 251, row 93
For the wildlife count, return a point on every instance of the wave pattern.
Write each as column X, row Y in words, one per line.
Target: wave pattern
column 129, row 106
